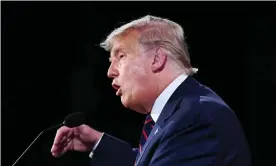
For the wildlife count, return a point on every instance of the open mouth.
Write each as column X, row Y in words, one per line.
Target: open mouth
column 118, row 93
column 117, row 87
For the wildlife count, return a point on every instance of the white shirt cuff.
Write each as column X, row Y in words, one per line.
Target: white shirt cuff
column 94, row 148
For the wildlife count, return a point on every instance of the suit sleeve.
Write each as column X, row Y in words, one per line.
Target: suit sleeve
column 113, row 151
column 194, row 146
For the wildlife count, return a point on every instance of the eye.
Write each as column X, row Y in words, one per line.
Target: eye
column 121, row 56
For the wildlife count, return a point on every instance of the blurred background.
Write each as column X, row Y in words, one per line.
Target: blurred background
column 51, row 66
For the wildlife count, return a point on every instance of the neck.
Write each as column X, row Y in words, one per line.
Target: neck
column 161, row 82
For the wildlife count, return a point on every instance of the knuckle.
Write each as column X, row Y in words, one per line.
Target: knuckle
column 62, row 130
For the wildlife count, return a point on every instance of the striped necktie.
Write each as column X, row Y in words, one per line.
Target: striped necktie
column 148, row 126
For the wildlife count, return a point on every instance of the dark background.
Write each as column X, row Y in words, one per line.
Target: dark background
column 52, row 66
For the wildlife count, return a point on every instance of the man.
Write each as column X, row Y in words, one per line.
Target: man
column 187, row 123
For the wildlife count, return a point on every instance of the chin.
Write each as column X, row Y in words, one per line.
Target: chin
column 126, row 102
column 133, row 106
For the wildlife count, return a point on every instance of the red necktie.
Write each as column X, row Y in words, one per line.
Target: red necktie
column 148, row 126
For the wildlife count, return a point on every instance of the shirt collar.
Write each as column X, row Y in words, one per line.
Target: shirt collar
column 162, row 99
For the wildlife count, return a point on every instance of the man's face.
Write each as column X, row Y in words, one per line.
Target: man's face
column 131, row 73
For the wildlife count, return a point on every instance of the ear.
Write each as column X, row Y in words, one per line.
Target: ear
column 159, row 60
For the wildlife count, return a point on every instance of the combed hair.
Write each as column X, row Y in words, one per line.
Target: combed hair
column 157, row 32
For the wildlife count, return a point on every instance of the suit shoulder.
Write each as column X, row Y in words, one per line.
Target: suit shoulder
column 213, row 106
column 205, row 105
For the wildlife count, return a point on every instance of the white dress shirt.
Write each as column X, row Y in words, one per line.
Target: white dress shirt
column 159, row 103
column 163, row 98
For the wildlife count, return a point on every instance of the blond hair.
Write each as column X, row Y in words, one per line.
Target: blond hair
column 157, row 32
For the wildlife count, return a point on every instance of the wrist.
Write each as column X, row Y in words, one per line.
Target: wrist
column 97, row 137
column 98, row 141
column 89, row 136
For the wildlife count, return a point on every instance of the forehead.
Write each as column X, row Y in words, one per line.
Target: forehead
column 125, row 43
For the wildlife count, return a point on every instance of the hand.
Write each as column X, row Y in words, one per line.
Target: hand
column 81, row 138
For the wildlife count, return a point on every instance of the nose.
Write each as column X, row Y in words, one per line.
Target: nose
column 112, row 71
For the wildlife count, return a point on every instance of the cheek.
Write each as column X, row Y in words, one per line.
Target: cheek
column 134, row 75
column 132, row 70
column 138, row 80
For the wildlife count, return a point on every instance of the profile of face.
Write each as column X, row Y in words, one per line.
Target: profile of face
column 132, row 73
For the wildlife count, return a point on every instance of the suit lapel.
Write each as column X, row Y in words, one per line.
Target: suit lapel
column 185, row 88
column 155, row 132
column 158, row 127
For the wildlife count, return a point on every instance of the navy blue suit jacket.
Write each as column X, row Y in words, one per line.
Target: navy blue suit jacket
column 195, row 128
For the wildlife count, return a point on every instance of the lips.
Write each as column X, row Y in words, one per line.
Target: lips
column 118, row 93
column 117, row 87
